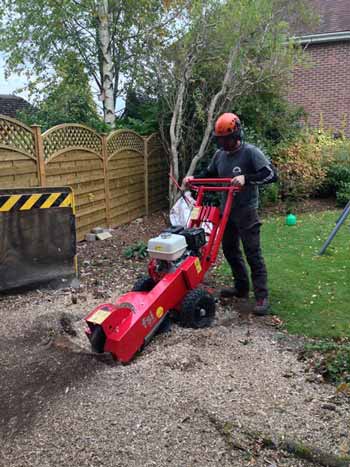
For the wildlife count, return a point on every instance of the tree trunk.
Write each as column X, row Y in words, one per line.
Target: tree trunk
column 175, row 136
column 176, row 128
column 212, row 111
column 107, row 64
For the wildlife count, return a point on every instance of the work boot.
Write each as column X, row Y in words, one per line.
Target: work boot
column 230, row 292
column 262, row 307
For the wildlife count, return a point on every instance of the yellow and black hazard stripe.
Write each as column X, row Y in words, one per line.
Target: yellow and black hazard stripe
column 25, row 202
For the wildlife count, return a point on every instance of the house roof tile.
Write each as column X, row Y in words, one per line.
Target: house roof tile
column 334, row 17
column 11, row 104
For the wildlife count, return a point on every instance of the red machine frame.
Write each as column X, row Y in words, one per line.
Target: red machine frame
column 126, row 326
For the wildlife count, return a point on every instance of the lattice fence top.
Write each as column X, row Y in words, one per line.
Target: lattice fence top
column 16, row 136
column 62, row 137
column 154, row 144
column 125, row 139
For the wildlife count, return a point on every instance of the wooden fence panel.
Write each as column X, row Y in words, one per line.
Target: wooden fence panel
column 115, row 178
column 18, row 166
column 73, row 157
column 158, row 180
column 126, row 176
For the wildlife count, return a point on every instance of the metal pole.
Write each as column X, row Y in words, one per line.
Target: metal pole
column 339, row 223
column 348, row 204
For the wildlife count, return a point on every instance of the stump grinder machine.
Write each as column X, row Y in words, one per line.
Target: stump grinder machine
column 179, row 260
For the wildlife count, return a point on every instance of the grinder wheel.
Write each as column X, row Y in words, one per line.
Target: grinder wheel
column 144, row 284
column 197, row 309
column 98, row 339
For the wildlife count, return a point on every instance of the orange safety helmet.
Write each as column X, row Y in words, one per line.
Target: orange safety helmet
column 227, row 124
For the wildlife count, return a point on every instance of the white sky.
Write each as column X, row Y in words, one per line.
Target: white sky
column 15, row 82
column 10, row 85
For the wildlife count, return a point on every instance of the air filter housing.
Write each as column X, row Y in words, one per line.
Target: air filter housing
column 167, row 246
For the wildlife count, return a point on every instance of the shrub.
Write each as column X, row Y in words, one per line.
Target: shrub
column 343, row 194
column 330, row 359
column 269, row 194
column 301, row 169
column 316, row 163
column 340, row 151
column 336, row 182
column 137, row 251
column 268, row 118
column 337, row 366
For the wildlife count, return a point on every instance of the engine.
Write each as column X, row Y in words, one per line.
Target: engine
column 172, row 246
column 167, row 246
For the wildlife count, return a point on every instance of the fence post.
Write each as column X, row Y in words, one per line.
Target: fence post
column 145, row 158
column 106, row 179
column 39, row 152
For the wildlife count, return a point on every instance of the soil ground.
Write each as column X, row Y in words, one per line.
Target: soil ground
column 191, row 398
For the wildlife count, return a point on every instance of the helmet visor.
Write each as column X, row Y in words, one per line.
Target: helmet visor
column 227, row 143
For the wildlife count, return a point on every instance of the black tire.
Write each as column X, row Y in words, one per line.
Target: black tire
column 197, row 309
column 98, row 339
column 144, row 284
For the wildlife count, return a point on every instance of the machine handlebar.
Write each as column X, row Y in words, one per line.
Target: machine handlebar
column 197, row 183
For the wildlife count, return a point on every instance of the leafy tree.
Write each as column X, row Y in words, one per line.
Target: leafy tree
column 140, row 114
column 228, row 50
column 271, row 116
column 66, row 99
column 109, row 36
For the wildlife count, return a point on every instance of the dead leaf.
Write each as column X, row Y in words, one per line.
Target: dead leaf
column 344, row 388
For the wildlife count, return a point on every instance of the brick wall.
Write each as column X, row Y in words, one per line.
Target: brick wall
column 324, row 86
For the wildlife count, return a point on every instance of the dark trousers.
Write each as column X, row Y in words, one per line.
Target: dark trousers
column 245, row 226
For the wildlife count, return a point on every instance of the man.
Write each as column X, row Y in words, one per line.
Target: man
column 249, row 168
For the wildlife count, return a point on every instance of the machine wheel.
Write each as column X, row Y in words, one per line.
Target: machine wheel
column 98, row 339
column 144, row 284
column 198, row 309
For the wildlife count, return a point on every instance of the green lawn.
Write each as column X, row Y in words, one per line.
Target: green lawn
column 310, row 293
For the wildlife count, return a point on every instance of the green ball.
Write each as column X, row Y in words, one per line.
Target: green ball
column 291, row 219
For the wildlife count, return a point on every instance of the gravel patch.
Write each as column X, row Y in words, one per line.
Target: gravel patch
column 62, row 405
